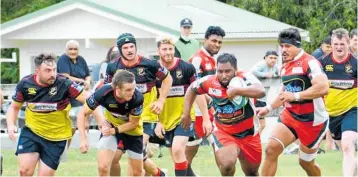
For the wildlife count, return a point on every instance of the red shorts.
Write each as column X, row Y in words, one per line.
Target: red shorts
column 309, row 135
column 198, row 125
column 250, row 146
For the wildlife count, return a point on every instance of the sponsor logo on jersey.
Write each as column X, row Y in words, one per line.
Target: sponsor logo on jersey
column 42, row 107
column 53, row 91
column 293, row 88
column 215, row 92
column 297, row 70
column 31, row 91
column 120, row 116
column 343, row 84
column 142, row 87
column 328, row 68
column 177, row 91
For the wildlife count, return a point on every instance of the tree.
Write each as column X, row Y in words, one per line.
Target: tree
column 319, row 17
column 11, row 9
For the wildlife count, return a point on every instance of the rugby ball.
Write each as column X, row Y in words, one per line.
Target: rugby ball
column 239, row 101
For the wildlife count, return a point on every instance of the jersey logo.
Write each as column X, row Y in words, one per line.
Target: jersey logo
column 142, row 87
column 328, row 68
column 177, row 91
column 297, row 70
column 215, row 92
column 32, row 91
column 53, row 91
column 113, row 105
column 348, row 68
column 208, row 66
column 140, row 71
column 126, row 106
column 42, row 107
column 179, row 74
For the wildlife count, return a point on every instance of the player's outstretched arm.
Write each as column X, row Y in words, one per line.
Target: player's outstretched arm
column 82, row 117
column 189, row 99
column 277, row 102
column 255, row 90
column 203, row 106
column 11, row 117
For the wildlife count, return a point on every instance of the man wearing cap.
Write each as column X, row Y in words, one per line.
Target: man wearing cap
column 265, row 70
column 324, row 49
column 146, row 72
column 304, row 117
column 186, row 47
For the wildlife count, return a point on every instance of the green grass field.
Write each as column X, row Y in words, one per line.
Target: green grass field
column 86, row 165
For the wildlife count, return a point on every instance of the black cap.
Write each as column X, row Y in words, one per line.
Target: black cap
column 270, row 52
column 186, row 22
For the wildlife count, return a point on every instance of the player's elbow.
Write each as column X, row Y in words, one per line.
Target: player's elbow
column 324, row 89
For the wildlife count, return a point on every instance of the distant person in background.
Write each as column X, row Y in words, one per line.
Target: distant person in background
column 112, row 54
column 1, row 98
column 186, row 47
column 353, row 44
column 74, row 67
column 324, row 49
column 266, row 69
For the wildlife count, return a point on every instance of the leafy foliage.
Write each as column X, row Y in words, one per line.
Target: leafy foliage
column 11, row 9
column 319, row 17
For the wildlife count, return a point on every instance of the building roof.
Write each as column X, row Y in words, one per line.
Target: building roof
column 165, row 16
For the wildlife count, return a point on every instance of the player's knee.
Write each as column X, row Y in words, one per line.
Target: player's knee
column 137, row 171
column 227, row 167
column 26, row 171
column 178, row 152
column 252, row 172
column 273, row 150
column 103, row 169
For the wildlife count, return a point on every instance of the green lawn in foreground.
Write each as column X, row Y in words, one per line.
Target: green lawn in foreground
column 86, row 165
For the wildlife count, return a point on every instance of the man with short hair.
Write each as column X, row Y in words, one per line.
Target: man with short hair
column 353, row 44
column 123, row 106
column 147, row 72
column 266, row 69
column 324, row 49
column 235, row 134
column 169, row 127
column 205, row 64
column 341, row 101
column 185, row 47
column 47, row 125
column 304, row 116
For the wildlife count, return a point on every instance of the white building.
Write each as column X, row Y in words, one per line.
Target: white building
column 97, row 23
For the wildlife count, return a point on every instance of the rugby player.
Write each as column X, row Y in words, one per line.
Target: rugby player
column 236, row 128
column 304, row 117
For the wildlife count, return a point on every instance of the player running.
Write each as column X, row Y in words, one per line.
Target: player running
column 146, row 72
column 341, row 101
column 305, row 117
column 47, row 123
column 123, row 105
column 235, row 134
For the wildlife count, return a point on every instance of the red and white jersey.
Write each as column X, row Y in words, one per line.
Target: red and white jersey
column 203, row 63
column 296, row 77
column 229, row 118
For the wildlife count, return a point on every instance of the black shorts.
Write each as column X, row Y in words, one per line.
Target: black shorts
column 148, row 128
column 50, row 151
column 169, row 136
column 342, row 123
column 132, row 143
